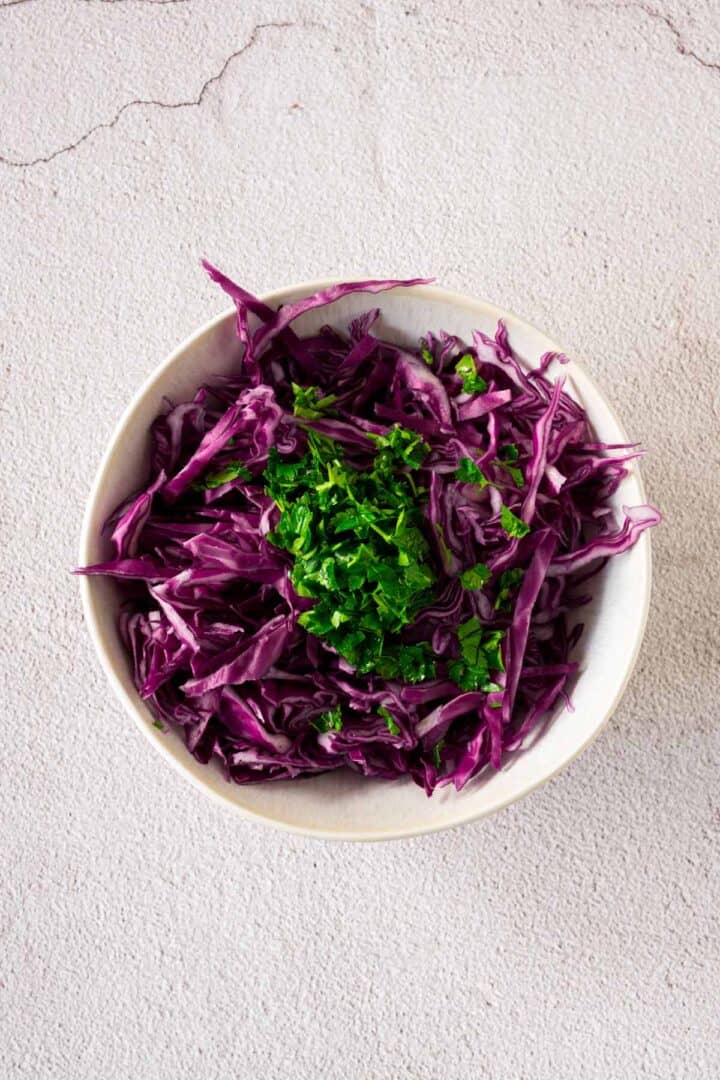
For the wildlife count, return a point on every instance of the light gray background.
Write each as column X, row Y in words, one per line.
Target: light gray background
column 558, row 158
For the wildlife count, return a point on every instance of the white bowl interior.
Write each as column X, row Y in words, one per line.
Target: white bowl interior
column 342, row 805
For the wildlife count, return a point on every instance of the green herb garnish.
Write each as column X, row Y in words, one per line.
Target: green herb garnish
column 359, row 549
column 387, row 717
column 408, row 663
column 399, row 447
column 310, row 403
column 475, row 577
column 512, row 525
column 329, row 721
column 436, row 753
column 472, row 382
column 515, row 472
column 232, row 470
column 447, row 554
column 468, row 472
column 506, row 455
column 481, row 654
column 507, row 583
column 427, row 355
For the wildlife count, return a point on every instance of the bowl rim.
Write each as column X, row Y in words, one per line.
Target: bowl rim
column 132, row 703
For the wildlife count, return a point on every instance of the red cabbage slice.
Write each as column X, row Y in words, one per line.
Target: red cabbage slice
column 289, row 312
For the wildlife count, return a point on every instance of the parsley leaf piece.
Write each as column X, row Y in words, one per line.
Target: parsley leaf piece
column 309, row 403
column 322, row 449
column 388, row 718
column 476, row 576
column 398, row 447
column 328, row 721
column 442, row 542
column 511, row 524
column 467, row 472
column 472, row 382
column 427, row 355
column 470, row 637
column 507, row 583
column 359, row 549
column 466, row 676
column 506, row 455
column 492, row 646
column 410, row 663
column 415, row 663
column 481, row 654
column 437, row 748
column 515, row 472
column 232, row 470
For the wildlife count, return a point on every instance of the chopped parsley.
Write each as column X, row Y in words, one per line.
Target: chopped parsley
column 385, row 715
column 515, row 472
column 472, row 382
column 409, row 663
column 359, row 549
column 507, row 583
column 231, row 470
column 506, row 456
column 468, row 472
column 512, row 525
column 328, row 721
column 476, row 576
column 447, row 554
column 310, row 403
column 399, row 447
column 427, row 355
column 481, row 651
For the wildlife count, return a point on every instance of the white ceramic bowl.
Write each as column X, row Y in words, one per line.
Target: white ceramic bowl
column 342, row 805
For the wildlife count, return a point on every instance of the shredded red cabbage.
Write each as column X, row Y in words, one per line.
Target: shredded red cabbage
column 474, row 503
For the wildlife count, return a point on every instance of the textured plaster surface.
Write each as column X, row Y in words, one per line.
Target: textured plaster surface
column 559, row 158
